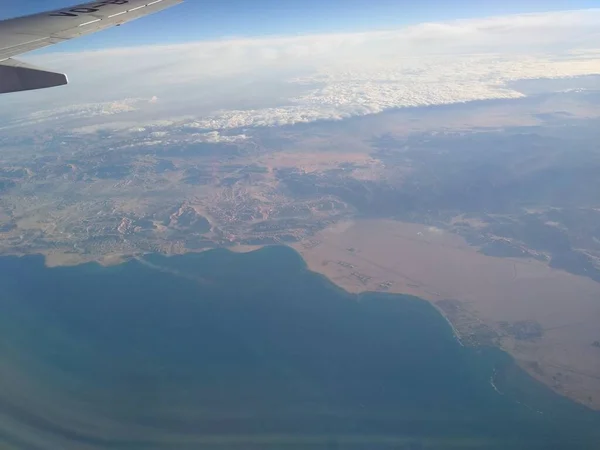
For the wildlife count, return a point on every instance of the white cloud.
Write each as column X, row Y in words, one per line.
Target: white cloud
column 215, row 137
column 284, row 80
column 86, row 110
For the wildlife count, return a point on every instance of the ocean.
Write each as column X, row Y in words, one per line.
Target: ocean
column 224, row 350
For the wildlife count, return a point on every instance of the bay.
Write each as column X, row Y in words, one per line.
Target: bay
column 244, row 351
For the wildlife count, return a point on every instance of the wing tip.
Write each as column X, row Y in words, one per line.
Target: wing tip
column 16, row 76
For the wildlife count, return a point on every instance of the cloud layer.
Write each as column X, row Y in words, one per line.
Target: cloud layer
column 284, row 80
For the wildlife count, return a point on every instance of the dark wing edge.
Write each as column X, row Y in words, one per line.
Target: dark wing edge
column 17, row 76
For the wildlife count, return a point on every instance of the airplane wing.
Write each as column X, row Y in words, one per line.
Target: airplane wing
column 25, row 34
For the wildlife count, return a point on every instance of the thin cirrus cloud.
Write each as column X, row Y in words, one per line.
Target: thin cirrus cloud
column 284, row 80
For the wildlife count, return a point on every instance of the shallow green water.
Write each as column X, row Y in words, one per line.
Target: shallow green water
column 224, row 350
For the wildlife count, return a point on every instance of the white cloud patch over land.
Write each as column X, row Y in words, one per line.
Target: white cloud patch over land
column 284, row 80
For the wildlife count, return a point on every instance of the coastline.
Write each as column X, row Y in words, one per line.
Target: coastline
column 486, row 300
column 363, row 271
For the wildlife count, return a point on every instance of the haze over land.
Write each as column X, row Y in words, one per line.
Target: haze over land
column 449, row 161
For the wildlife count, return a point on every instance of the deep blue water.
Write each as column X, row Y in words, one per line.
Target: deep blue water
column 224, row 350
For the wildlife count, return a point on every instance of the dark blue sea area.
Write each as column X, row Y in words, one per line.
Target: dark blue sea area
column 221, row 350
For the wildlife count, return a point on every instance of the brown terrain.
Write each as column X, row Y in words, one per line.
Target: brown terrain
column 547, row 319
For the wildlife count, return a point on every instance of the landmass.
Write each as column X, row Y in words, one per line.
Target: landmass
column 488, row 210
column 546, row 318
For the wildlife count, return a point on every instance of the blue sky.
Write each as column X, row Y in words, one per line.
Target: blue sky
column 209, row 19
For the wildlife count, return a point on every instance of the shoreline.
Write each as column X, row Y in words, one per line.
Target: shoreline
column 495, row 301
column 349, row 279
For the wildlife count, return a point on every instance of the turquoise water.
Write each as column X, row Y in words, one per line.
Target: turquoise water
column 244, row 351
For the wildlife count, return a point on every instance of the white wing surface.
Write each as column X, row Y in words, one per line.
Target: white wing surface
column 24, row 34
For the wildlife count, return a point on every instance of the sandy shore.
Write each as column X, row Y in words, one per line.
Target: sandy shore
column 547, row 319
